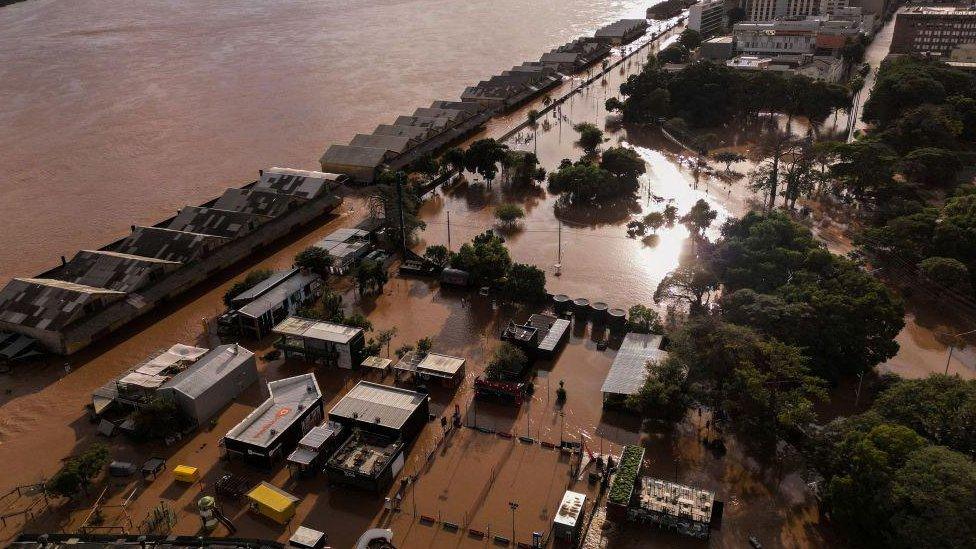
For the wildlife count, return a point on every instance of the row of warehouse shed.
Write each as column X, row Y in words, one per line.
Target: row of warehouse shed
column 428, row 130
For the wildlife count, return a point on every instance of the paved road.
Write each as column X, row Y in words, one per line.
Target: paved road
column 876, row 52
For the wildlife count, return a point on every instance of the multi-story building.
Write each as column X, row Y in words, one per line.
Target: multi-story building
column 707, row 17
column 933, row 30
column 768, row 10
column 813, row 35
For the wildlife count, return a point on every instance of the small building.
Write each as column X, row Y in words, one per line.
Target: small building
column 540, row 336
column 274, row 428
column 200, row 381
column 215, row 380
column 256, row 311
column 272, row 502
column 717, row 49
column 307, row 538
column 315, row 448
column 454, row 277
column 567, row 526
column 685, row 509
column 322, row 342
column 388, row 411
column 367, row 460
column 346, row 247
column 629, row 370
column 447, row 370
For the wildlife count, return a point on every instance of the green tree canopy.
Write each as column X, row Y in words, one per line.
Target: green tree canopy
column 314, row 259
column 486, row 259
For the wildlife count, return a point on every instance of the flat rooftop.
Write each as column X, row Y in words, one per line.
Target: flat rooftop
column 289, row 398
column 676, row 500
column 365, row 454
column 433, row 364
column 378, row 404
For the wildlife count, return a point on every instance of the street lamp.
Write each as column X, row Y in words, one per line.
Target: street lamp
column 951, row 347
column 513, row 506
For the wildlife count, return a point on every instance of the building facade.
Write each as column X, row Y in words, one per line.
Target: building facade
column 933, row 30
column 812, row 35
column 707, row 17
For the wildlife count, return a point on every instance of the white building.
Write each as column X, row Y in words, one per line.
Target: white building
column 813, row 35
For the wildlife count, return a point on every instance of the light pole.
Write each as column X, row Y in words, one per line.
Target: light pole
column 513, row 505
column 952, row 346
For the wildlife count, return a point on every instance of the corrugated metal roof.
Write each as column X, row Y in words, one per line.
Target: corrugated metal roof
column 226, row 223
column 629, row 369
column 256, row 201
column 299, row 183
column 115, row 270
column 378, row 404
column 360, row 157
column 277, row 295
column 169, row 244
column 265, row 285
column 394, row 143
column 49, row 304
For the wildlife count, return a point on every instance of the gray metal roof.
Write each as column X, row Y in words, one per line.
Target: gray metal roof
column 225, row 223
column 298, row 183
column 378, row 404
column 454, row 115
column 48, row 304
column 618, row 29
column 394, row 143
column 116, row 271
column 629, row 369
column 413, row 132
column 317, row 436
column 290, row 397
column 434, row 123
column 265, row 285
column 278, row 294
column 472, row 108
column 256, row 201
column 361, row 157
column 169, row 244
column 209, row 370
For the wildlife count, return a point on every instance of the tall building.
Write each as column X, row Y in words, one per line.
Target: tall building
column 933, row 30
column 707, row 17
column 767, row 10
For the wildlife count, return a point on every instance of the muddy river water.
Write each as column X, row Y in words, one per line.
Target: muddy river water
column 122, row 112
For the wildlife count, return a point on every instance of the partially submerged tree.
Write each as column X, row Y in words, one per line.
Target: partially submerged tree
column 590, row 137
column 314, row 259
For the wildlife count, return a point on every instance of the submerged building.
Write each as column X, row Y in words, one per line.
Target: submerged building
column 68, row 307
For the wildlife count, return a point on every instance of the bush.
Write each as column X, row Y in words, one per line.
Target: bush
column 524, row 283
column 509, row 213
column 314, row 259
column 77, row 472
column 626, row 477
column 507, row 362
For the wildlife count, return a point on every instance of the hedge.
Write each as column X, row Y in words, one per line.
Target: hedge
column 626, row 477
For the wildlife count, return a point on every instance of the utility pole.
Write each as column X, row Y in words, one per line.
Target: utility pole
column 952, row 346
column 403, row 232
column 448, row 231
column 559, row 248
column 513, row 506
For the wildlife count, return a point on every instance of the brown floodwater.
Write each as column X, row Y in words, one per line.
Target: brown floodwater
column 128, row 103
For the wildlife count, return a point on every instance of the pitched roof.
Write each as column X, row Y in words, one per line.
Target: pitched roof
column 209, row 369
column 256, row 201
column 115, row 270
column 423, row 121
column 472, row 108
column 413, row 132
column 363, row 157
column 298, row 183
column 168, row 244
column 48, row 304
column 225, row 223
column 277, row 295
column 394, row 143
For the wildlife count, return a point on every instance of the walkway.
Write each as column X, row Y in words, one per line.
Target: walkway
column 875, row 54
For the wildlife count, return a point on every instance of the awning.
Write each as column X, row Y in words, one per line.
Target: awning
column 302, row 456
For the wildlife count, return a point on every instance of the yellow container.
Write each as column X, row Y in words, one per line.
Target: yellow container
column 185, row 473
column 273, row 502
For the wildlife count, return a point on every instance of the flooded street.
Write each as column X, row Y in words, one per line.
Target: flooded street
column 271, row 84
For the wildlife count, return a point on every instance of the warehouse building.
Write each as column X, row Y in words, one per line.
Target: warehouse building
column 274, row 428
